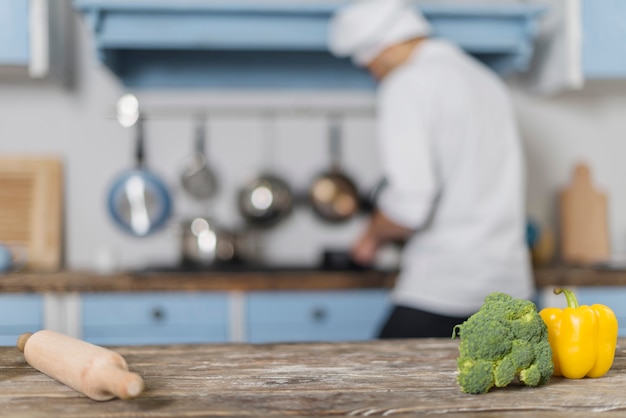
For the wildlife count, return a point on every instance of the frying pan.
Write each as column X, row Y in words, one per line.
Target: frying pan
column 138, row 201
column 267, row 199
column 333, row 195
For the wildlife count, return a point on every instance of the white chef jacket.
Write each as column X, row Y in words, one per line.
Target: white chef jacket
column 452, row 158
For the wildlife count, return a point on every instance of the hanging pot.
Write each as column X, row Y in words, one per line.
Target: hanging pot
column 267, row 199
column 333, row 195
column 138, row 201
column 206, row 243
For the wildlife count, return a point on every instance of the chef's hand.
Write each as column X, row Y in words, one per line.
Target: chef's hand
column 379, row 231
column 365, row 248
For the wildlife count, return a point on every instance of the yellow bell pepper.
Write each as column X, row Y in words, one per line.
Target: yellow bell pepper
column 582, row 338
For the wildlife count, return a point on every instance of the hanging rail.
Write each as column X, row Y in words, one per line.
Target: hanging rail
column 183, row 108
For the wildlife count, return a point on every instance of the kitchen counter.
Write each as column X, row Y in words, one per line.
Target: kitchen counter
column 283, row 279
column 412, row 377
column 266, row 279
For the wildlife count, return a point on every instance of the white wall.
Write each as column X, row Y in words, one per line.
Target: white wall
column 589, row 126
column 77, row 124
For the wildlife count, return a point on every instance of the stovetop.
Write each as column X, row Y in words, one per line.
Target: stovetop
column 241, row 267
column 330, row 261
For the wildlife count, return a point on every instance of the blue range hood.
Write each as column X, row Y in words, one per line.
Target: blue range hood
column 203, row 44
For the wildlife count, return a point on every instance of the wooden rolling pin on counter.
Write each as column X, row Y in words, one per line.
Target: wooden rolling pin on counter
column 76, row 281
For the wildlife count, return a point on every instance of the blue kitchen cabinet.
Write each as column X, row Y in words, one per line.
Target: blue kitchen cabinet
column 33, row 39
column 295, row 316
column 613, row 297
column 270, row 44
column 14, row 36
column 154, row 318
column 19, row 313
column 604, row 39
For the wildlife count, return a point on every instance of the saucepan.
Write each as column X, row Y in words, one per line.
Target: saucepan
column 333, row 194
column 205, row 242
column 138, row 201
column 267, row 199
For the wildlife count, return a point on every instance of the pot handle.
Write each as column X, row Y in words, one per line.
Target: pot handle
column 200, row 136
column 334, row 143
column 139, row 146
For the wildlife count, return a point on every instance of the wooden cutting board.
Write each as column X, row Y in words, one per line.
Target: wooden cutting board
column 31, row 193
column 583, row 220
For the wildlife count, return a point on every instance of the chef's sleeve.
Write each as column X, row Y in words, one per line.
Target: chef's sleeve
column 405, row 123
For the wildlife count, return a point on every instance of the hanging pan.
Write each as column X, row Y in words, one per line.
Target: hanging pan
column 267, row 199
column 138, row 201
column 333, row 195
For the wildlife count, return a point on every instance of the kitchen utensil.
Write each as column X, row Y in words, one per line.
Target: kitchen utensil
column 204, row 242
column 267, row 199
column 31, row 208
column 139, row 202
column 198, row 180
column 583, row 220
column 333, row 195
column 12, row 257
column 94, row 371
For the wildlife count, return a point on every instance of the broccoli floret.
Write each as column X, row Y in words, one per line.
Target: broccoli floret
column 476, row 376
column 495, row 342
column 504, row 373
column 506, row 339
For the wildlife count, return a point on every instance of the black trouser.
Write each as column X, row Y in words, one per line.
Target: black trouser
column 406, row 322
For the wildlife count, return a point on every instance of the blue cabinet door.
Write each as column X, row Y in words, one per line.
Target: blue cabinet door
column 604, row 39
column 14, row 38
column 315, row 316
column 19, row 313
column 154, row 318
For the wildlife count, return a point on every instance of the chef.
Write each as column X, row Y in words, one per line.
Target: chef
column 453, row 164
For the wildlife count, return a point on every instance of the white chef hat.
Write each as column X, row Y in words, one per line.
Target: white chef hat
column 365, row 28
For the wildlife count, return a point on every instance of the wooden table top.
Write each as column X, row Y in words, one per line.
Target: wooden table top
column 388, row 378
column 84, row 281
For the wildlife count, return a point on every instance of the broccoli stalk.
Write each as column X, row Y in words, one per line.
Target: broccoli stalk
column 504, row 341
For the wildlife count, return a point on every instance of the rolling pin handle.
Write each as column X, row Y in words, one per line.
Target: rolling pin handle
column 22, row 339
column 121, row 383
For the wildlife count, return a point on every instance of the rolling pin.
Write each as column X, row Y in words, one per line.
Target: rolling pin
column 94, row 371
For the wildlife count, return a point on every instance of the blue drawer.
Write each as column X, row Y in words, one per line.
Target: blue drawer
column 155, row 318
column 19, row 313
column 315, row 316
column 613, row 297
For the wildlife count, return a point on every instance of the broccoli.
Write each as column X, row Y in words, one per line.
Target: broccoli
column 504, row 341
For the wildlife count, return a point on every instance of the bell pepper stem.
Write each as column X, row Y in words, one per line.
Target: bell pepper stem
column 572, row 302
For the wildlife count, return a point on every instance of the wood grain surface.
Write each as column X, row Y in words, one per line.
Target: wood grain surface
column 76, row 281
column 31, row 208
column 207, row 281
column 583, row 216
column 376, row 378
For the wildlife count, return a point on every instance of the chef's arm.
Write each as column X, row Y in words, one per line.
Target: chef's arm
column 380, row 230
column 404, row 132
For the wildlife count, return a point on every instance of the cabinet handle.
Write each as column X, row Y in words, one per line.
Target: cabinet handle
column 319, row 314
column 158, row 314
